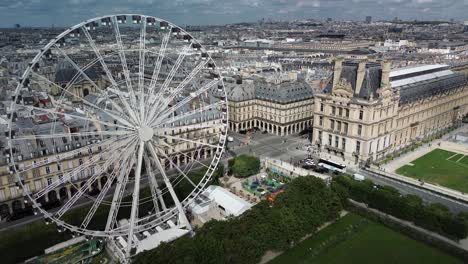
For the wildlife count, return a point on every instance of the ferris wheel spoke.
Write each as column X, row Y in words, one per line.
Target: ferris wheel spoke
column 78, row 170
column 77, row 67
column 156, row 119
column 182, row 216
column 123, row 61
column 185, row 155
column 190, row 113
column 102, row 62
column 119, row 109
column 135, row 198
column 46, row 110
column 198, row 126
column 128, row 107
column 99, row 56
column 170, row 76
column 106, row 187
column 68, row 135
column 142, row 52
column 119, row 192
column 192, row 141
column 178, row 169
column 116, row 117
column 141, row 67
column 157, row 67
column 154, row 188
column 65, row 90
column 88, row 183
column 166, row 101
column 65, row 155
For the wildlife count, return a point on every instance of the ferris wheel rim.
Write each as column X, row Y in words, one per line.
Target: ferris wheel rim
column 186, row 201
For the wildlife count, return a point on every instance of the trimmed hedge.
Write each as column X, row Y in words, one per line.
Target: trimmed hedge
column 434, row 217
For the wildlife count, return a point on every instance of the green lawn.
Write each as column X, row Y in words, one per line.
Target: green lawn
column 464, row 160
column 354, row 239
column 441, row 167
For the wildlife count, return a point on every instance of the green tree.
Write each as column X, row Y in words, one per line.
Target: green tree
column 245, row 166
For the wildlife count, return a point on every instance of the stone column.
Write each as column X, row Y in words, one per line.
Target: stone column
column 10, row 207
column 68, row 191
column 99, row 184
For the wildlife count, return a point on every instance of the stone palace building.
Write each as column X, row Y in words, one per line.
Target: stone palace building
column 365, row 111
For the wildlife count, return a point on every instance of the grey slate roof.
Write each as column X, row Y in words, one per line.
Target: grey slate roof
column 286, row 92
column 370, row 84
column 431, row 87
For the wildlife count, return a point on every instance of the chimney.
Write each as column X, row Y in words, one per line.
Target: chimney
column 337, row 70
column 361, row 72
column 386, row 68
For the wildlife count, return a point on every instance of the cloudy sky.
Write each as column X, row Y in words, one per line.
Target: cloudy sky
column 69, row 12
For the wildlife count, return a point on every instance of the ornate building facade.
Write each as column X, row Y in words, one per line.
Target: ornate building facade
column 369, row 111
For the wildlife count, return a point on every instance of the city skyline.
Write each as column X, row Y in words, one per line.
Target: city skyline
column 37, row 13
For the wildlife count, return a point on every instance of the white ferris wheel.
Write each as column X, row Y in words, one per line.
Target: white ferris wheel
column 124, row 107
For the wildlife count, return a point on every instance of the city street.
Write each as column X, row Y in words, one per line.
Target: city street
column 427, row 196
column 288, row 148
column 291, row 149
column 262, row 145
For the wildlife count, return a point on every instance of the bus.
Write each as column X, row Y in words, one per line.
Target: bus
column 331, row 165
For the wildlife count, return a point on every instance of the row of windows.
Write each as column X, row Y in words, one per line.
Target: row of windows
column 340, row 111
column 337, row 140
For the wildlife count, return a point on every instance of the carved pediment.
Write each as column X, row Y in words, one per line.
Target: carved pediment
column 385, row 92
column 343, row 88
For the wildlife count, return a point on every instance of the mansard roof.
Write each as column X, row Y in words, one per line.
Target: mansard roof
column 370, row 84
column 286, row 92
column 424, row 81
column 430, row 87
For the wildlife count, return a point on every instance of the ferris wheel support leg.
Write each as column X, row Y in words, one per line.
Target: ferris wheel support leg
column 182, row 217
column 118, row 194
column 135, row 198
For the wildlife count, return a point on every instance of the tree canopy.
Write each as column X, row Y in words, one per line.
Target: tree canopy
column 434, row 217
column 306, row 204
column 244, row 166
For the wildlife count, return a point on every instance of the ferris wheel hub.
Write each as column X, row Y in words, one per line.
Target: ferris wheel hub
column 145, row 133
